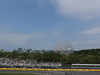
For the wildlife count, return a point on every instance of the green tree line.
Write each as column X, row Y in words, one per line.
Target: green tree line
column 89, row 56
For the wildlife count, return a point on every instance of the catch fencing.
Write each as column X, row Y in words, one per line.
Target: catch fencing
column 19, row 63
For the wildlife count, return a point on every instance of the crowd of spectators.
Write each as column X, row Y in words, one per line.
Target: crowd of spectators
column 31, row 63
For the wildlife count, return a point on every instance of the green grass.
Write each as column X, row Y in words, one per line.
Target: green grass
column 17, row 74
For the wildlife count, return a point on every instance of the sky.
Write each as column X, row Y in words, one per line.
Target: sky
column 41, row 24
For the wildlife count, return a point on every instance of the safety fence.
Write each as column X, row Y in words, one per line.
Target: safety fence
column 28, row 63
column 33, row 64
column 52, row 67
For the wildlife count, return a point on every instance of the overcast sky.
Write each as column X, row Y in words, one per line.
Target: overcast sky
column 40, row 24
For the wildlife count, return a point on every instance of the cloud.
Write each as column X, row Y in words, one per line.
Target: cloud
column 19, row 39
column 88, row 38
column 85, row 10
column 42, row 3
column 87, row 41
column 57, row 33
column 90, row 31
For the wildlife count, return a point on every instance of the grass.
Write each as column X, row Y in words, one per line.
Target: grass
column 17, row 74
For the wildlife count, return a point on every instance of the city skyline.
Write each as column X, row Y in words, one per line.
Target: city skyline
column 41, row 24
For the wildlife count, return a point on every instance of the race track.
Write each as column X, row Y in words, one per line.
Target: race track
column 53, row 72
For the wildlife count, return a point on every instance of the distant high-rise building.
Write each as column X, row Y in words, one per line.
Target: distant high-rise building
column 19, row 49
column 29, row 50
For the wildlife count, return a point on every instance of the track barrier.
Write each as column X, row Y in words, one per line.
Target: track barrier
column 49, row 69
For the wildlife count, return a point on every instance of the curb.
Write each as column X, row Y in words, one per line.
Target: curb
column 49, row 69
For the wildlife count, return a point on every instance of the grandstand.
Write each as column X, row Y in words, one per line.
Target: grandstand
column 28, row 63
column 85, row 66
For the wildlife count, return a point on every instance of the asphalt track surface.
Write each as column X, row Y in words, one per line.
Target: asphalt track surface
column 53, row 72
